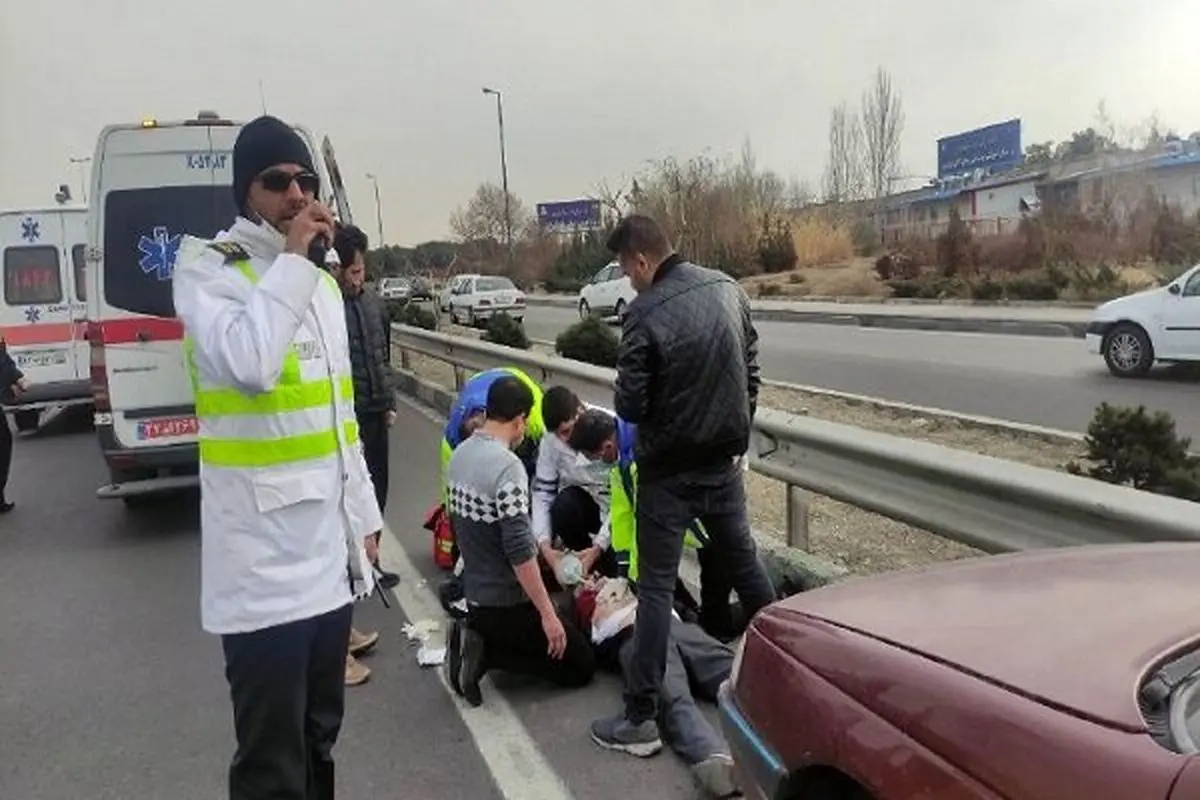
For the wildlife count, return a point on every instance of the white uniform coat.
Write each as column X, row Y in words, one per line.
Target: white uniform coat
column 274, row 540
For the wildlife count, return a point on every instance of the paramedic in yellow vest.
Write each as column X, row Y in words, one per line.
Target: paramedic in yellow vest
column 602, row 436
column 470, row 407
column 287, row 506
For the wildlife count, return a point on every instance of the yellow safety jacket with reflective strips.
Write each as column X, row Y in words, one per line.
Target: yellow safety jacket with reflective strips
column 224, row 439
column 286, row 495
column 622, row 520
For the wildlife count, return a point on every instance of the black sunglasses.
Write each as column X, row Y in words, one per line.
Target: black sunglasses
column 279, row 181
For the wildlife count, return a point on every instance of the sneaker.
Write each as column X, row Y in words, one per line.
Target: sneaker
column 452, row 666
column 357, row 672
column 716, row 778
column 472, row 670
column 361, row 643
column 637, row 739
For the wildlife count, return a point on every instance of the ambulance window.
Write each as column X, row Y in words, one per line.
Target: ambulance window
column 31, row 276
column 143, row 229
column 79, row 262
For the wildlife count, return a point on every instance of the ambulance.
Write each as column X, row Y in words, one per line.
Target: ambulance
column 153, row 183
column 42, row 316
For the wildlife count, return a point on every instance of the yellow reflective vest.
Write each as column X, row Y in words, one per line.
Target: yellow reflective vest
column 622, row 520
column 286, row 498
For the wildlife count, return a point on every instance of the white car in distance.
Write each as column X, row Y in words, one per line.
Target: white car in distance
column 447, row 290
column 1155, row 325
column 607, row 294
column 476, row 298
column 394, row 288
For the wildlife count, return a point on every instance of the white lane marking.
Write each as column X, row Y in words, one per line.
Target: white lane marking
column 517, row 765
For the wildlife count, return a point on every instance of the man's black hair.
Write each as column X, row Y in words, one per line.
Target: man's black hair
column 349, row 240
column 559, row 404
column 593, row 428
column 638, row 233
column 508, row 398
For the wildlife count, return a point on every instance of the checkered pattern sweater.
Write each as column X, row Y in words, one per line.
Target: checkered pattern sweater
column 488, row 501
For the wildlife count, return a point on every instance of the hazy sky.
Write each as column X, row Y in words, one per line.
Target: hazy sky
column 592, row 90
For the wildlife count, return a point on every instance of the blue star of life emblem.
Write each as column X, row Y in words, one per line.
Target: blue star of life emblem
column 30, row 230
column 159, row 251
column 33, row 314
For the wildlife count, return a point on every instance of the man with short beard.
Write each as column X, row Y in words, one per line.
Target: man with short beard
column 287, row 512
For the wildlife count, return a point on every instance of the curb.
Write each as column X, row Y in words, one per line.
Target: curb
column 784, row 564
column 932, row 322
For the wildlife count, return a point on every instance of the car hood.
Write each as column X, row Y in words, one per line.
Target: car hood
column 1129, row 303
column 1073, row 627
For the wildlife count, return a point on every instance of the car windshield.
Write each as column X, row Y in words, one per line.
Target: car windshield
column 494, row 285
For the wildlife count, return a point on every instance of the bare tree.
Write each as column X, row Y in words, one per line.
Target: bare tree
column 482, row 219
column 843, row 180
column 883, row 124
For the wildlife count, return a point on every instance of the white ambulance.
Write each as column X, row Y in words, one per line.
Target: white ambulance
column 43, row 313
column 152, row 183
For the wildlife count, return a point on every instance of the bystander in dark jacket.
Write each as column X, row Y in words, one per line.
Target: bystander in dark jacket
column 688, row 377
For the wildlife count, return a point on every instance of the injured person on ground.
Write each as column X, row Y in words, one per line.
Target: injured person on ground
column 697, row 664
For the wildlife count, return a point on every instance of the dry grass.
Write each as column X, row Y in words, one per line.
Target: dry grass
column 820, row 241
column 862, row 541
column 852, row 278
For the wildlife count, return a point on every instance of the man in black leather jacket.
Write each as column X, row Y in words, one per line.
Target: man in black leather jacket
column 688, row 377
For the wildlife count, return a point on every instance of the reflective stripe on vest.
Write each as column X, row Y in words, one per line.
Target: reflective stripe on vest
column 291, row 394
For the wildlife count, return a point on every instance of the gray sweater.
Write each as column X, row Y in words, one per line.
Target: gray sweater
column 488, row 501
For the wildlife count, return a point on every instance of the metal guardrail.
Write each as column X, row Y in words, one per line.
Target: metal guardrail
column 988, row 503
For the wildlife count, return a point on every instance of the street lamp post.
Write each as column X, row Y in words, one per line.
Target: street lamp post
column 378, row 208
column 503, row 172
column 81, row 163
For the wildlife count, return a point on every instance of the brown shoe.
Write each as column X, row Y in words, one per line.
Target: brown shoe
column 357, row 672
column 361, row 643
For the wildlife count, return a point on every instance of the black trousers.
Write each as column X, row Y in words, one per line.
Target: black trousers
column 514, row 642
column 666, row 507
column 575, row 517
column 6, row 454
column 373, row 431
column 288, row 689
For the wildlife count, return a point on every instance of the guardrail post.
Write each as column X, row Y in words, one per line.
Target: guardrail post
column 405, row 360
column 460, row 378
column 797, row 517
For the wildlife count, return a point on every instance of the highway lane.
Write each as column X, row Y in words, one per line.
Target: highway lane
column 111, row 691
column 1050, row 381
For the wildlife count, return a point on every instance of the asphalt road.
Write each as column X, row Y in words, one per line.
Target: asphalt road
column 111, row 691
column 1049, row 381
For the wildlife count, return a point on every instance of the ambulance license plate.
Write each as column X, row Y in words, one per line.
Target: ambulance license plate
column 166, row 427
column 41, row 358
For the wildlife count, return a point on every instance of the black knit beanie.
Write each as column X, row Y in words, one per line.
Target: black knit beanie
column 263, row 143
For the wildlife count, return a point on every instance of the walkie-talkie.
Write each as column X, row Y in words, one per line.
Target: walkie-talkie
column 318, row 248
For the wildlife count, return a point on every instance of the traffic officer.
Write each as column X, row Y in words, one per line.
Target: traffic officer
column 287, row 505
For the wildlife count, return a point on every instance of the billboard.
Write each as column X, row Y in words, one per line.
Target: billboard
column 992, row 149
column 581, row 215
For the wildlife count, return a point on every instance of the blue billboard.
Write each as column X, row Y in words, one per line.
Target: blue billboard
column 992, row 149
column 571, row 215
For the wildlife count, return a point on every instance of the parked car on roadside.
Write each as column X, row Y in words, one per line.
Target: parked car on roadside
column 1155, row 325
column 1046, row 675
column 478, row 297
column 394, row 289
column 607, row 294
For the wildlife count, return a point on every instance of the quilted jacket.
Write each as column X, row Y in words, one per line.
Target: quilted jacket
column 687, row 370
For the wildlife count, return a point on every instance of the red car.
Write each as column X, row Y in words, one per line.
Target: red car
column 1066, row 674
